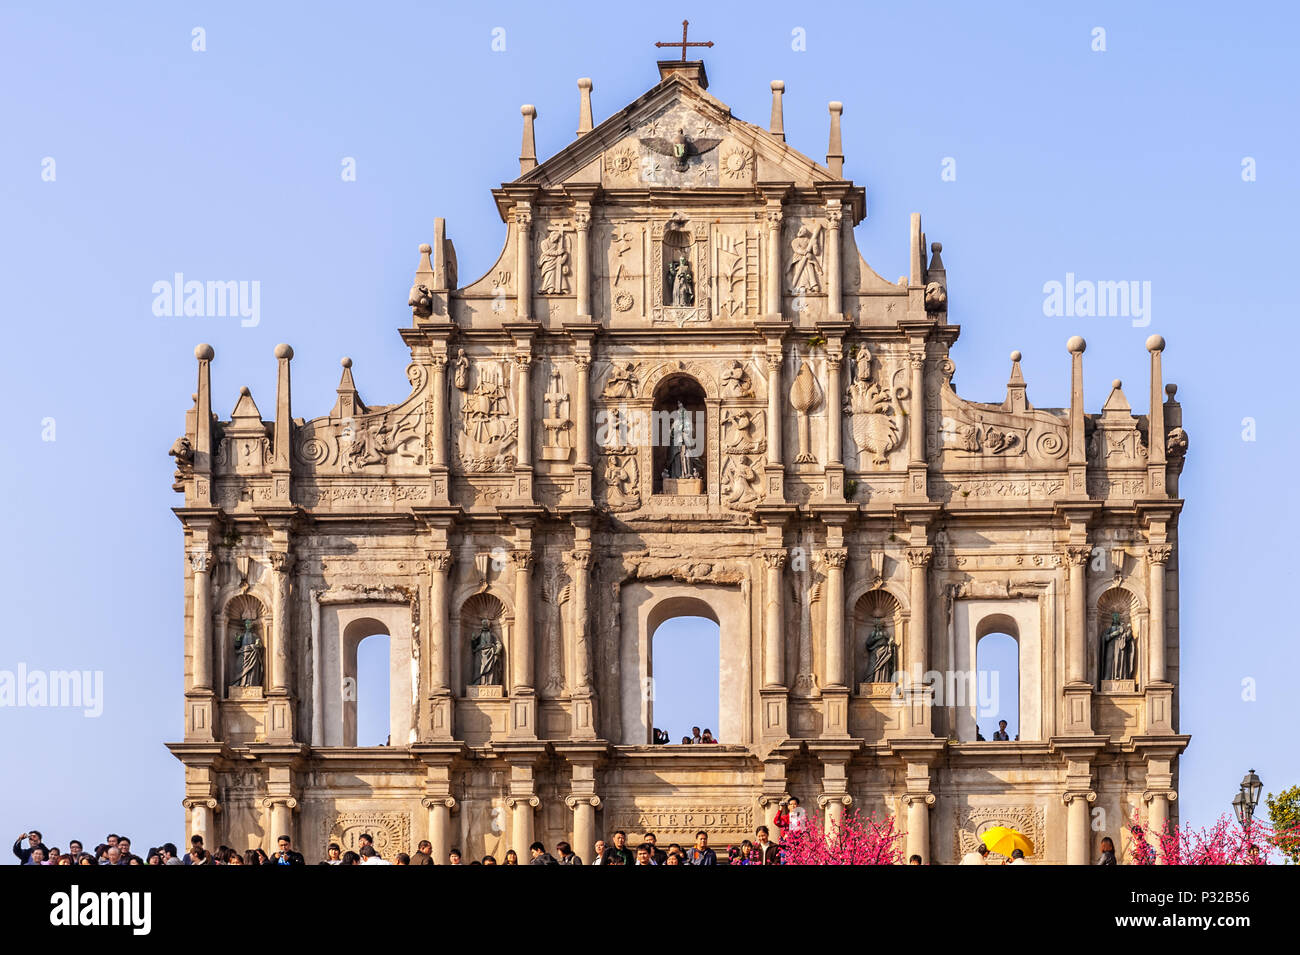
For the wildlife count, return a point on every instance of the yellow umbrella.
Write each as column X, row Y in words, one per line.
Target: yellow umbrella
column 1003, row 840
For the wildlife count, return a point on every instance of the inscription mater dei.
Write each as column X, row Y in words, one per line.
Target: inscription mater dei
column 729, row 819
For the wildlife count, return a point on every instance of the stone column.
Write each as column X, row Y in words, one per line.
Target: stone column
column 834, row 403
column 773, row 620
column 523, row 393
column 918, row 826
column 1156, row 422
column 281, row 565
column 584, row 824
column 835, row 558
column 521, row 822
column 438, row 648
column 582, row 410
column 201, row 810
column 440, row 808
column 523, row 652
column 773, row 218
column 916, row 420
column 774, row 455
column 438, row 426
column 282, row 808
column 1157, row 816
column 524, row 248
column 581, row 641
column 201, row 648
column 1157, row 556
column 918, row 631
column 832, row 805
column 834, row 297
column 581, row 259
column 1076, row 621
column 1077, row 849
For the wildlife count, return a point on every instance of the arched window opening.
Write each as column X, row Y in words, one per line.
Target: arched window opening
column 684, row 678
column 367, row 681
column 997, row 685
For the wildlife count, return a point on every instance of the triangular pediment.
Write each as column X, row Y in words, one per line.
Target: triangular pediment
column 677, row 136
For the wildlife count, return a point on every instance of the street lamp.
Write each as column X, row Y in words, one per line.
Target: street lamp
column 1244, row 803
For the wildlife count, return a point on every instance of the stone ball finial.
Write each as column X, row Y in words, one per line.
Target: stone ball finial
column 243, row 391
column 778, row 86
column 346, row 362
column 836, row 106
column 283, row 351
column 204, row 352
column 1156, row 343
column 1076, row 345
column 528, row 109
column 1116, row 385
column 584, row 82
column 1015, row 356
column 936, row 247
column 1171, row 389
column 425, row 248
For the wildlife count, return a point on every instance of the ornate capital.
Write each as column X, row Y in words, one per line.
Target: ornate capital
column 433, row 802
column 834, row 213
column 1150, row 794
column 200, row 560
column 289, row 802
column 772, row 799
column 201, row 802
column 440, row 560
column 773, row 218
column 920, row 556
column 1159, row 553
column 582, row 218
column 281, row 561
column 774, row 360
column 514, row 802
column 574, row 800
column 835, row 557
column 1077, row 554
column 581, row 559
column 825, row 799
column 916, row 358
column 834, row 358
column 583, row 360
column 523, row 217
column 1087, row 795
column 438, row 361
column 523, row 559
column 928, row 799
column 774, row 559
column 523, row 359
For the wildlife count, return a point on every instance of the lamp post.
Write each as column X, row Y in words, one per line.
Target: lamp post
column 1244, row 803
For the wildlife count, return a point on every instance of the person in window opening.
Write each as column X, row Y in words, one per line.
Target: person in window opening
column 1001, row 734
column 979, row 737
column 512, row 857
column 686, row 741
column 695, row 734
column 708, row 737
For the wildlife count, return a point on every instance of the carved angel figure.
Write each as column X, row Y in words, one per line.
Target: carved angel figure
column 741, row 481
column 680, row 148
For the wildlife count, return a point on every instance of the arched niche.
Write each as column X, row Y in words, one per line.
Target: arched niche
column 670, row 620
column 997, row 654
column 243, row 635
column 679, row 428
column 483, row 636
column 874, row 607
column 1118, row 607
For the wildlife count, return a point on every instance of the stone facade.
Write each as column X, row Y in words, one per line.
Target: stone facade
column 519, row 526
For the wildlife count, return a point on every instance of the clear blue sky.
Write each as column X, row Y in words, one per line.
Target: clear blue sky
column 225, row 164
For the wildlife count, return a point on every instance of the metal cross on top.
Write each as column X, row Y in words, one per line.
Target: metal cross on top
column 684, row 44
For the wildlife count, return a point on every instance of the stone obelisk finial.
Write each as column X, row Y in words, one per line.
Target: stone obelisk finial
column 584, row 106
column 835, row 151
column 528, row 152
column 777, row 126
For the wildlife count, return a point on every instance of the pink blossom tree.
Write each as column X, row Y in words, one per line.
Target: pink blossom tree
column 853, row 840
column 1223, row 843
